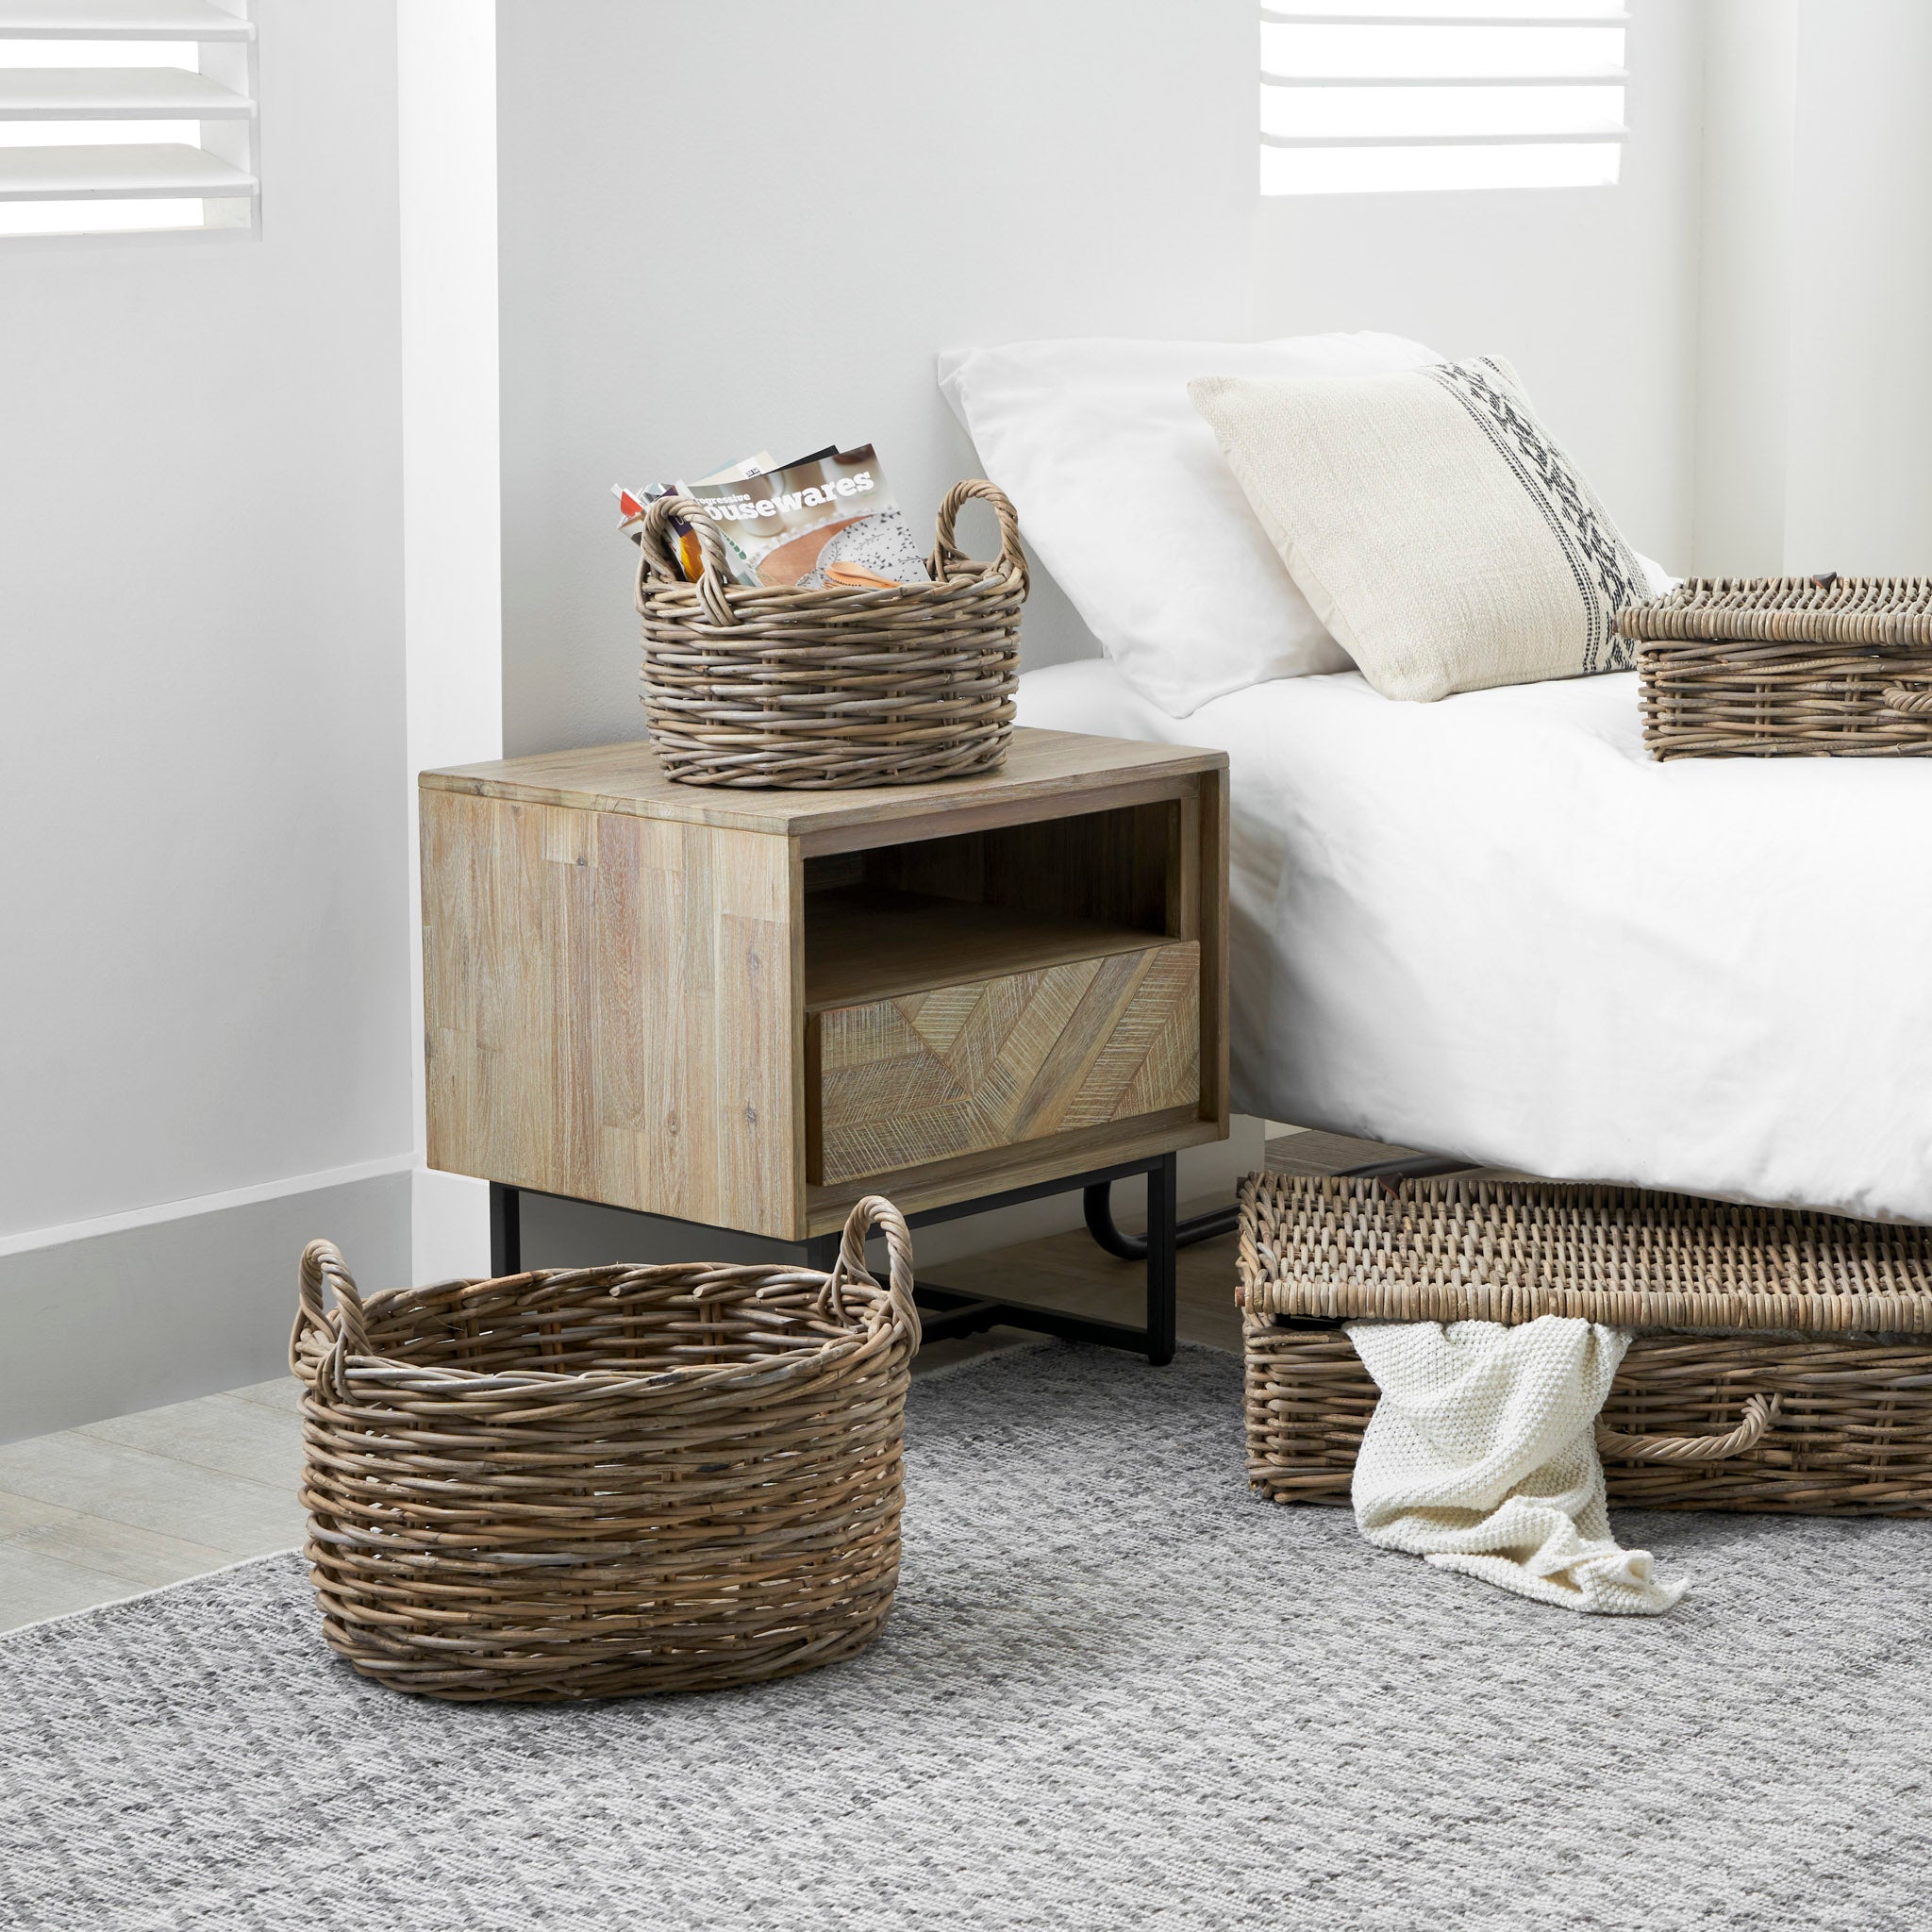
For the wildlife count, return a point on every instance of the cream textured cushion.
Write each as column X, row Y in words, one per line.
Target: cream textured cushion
column 1436, row 530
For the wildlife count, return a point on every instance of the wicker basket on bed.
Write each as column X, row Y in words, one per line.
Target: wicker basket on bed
column 599, row 1481
column 749, row 685
column 1784, row 1360
column 1783, row 667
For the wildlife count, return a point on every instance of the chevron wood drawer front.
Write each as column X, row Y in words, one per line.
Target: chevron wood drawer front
column 959, row 1069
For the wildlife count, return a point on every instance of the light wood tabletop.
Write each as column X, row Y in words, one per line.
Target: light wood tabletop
column 629, row 779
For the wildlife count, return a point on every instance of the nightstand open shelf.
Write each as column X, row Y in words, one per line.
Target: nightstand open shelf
column 749, row 1009
column 869, row 942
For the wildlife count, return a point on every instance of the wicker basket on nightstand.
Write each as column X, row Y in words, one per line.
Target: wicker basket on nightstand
column 1782, row 1360
column 755, row 686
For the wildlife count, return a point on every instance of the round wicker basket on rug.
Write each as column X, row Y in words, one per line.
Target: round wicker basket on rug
column 595, row 1482
column 755, row 686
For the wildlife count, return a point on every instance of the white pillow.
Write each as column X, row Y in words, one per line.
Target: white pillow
column 1123, row 496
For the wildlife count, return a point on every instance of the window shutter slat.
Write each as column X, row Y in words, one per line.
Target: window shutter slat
column 168, row 169
column 116, row 93
column 1429, row 96
column 119, row 116
column 1608, row 77
column 1296, row 16
column 120, row 20
column 1541, row 138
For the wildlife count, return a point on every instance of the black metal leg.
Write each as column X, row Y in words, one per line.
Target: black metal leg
column 948, row 1313
column 507, row 1230
column 1097, row 1201
column 1098, row 1204
column 1163, row 1232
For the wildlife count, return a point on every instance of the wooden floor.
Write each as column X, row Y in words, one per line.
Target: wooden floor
column 143, row 1500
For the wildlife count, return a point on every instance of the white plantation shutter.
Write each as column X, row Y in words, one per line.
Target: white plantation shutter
column 1358, row 95
column 126, row 114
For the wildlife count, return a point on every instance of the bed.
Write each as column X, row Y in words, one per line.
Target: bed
column 1493, row 928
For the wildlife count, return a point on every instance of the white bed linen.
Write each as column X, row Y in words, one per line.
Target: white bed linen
column 1491, row 927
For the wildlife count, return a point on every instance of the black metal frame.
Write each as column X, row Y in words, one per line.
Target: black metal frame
column 1098, row 1203
column 947, row 1312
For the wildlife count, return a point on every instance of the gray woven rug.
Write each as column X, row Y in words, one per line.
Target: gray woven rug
column 1117, row 1692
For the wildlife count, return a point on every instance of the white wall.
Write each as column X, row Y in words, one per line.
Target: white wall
column 204, row 976
column 1857, row 255
column 1815, row 391
column 1744, row 401
column 727, row 228
column 1591, row 292
column 452, row 505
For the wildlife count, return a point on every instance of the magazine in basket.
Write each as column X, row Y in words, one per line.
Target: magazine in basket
column 825, row 519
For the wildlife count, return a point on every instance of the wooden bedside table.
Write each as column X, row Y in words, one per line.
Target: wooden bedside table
column 747, row 1008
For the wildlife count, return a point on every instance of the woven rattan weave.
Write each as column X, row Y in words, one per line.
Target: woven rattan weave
column 753, row 686
column 1779, row 1363
column 1780, row 667
column 601, row 1481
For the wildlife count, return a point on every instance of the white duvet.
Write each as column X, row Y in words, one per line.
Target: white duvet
column 1493, row 928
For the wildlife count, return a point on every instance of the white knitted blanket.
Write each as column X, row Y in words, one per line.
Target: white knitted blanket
column 1481, row 1456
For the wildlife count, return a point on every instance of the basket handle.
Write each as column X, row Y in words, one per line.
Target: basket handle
column 946, row 554
column 1913, row 706
column 875, row 1210
column 1759, row 1414
column 323, row 1261
column 656, row 559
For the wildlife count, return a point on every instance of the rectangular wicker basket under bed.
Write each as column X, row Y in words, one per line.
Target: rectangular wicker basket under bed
column 1782, row 1360
column 1786, row 667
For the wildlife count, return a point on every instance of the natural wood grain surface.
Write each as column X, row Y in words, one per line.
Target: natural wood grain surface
column 992, row 1063
column 1023, row 1164
column 629, row 779
column 611, row 1010
column 1313, row 1151
column 996, row 814
column 624, row 979
column 130, row 1504
column 867, row 942
column 1205, row 857
column 1121, row 866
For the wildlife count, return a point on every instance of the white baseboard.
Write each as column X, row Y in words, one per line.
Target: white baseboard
column 449, row 1227
column 161, row 1304
column 28, row 1239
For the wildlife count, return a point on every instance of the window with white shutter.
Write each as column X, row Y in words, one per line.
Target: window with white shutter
column 118, row 115
column 1358, row 95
